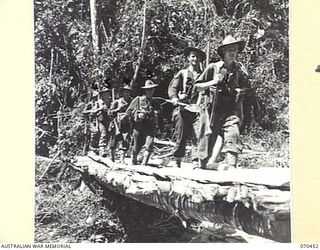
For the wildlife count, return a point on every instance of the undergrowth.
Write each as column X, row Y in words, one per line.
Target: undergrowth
column 65, row 215
column 265, row 149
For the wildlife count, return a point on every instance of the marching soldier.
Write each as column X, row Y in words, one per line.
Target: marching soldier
column 144, row 113
column 120, row 127
column 99, row 120
column 224, row 84
column 181, row 90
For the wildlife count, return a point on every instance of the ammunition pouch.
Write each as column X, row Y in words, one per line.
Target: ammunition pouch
column 142, row 116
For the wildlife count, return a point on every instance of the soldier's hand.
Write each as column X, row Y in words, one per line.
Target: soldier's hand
column 141, row 116
column 182, row 96
column 218, row 77
column 240, row 93
column 175, row 101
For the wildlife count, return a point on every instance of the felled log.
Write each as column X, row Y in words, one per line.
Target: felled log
column 256, row 201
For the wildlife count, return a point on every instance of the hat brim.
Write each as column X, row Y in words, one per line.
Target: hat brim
column 241, row 44
column 104, row 91
column 126, row 89
column 150, row 87
column 202, row 55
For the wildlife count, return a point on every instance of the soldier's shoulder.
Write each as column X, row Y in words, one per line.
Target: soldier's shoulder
column 116, row 100
column 179, row 73
column 121, row 99
column 136, row 98
column 100, row 101
column 217, row 64
column 155, row 103
column 241, row 68
column 214, row 65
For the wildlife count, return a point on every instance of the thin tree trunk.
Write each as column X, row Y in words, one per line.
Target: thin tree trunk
column 207, row 54
column 142, row 46
column 49, row 165
column 94, row 25
column 51, row 66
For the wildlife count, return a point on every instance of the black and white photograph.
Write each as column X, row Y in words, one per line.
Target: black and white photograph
column 161, row 121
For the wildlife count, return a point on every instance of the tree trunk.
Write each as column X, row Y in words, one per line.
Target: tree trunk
column 246, row 199
column 94, row 25
column 142, row 46
column 51, row 66
column 208, row 54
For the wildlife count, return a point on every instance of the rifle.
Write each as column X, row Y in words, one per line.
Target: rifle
column 214, row 93
column 208, row 130
column 86, row 135
column 114, row 124
column 193, row 108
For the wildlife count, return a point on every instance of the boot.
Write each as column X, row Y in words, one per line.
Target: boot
column 122, row 155
column 134, row 159
column 95, row 150
column 112, row 155
column 212, row 166
column 202, row 163
column 146, row 158
column 230, row 161
column 195, row 163
column 102, row 151
column 178, row 161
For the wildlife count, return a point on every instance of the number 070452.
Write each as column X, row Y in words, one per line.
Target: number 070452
column 313, row 246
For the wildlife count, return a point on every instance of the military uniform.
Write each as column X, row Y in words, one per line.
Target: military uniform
column 143, row 112
column 186, row 122
column 99, row 125
column 224, row 108
column 120, row 128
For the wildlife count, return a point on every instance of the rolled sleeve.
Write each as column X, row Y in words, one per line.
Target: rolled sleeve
column 132, row 107
column 175, row 85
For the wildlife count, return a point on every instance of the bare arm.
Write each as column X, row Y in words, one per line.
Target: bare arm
column 115, row 107
column 209, row 79
column 205, row 85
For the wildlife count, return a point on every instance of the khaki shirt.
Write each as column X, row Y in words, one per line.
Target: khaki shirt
column 183, row 83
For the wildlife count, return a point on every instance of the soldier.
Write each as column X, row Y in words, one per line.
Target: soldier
column 181, row 90
column 120, row 128
column 99, row 120
column 224, row 84
column 144, row 113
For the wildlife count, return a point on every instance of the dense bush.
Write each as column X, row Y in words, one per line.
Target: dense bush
column 136, row 36
column 67, row 66
column 65, row 215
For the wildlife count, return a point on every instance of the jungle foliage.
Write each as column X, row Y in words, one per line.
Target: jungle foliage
column 136, row 36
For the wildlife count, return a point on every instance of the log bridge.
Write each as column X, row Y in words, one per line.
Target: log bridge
column 256, row 201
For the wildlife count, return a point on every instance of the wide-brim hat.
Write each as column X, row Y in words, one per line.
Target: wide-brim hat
column 149, row 85
column 230, row 40
column 95, row 93
column 202, row 55
column 104, row 89
column 126, row 87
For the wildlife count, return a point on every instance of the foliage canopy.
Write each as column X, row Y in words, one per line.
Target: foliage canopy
column 67, row 67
